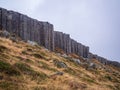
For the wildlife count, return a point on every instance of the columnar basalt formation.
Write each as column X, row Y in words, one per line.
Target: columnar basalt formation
column 27, row 28
column 43, row 33
column 64, row 42
column 103, row 60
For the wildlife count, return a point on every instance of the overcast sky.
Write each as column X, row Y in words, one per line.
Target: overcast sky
column 95, row 23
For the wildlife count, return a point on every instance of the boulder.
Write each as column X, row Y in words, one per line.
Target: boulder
column 77, row 61
column 94, row 66
column 32, row 43
column 60, row 64
column 64, row 55
column 4, row 33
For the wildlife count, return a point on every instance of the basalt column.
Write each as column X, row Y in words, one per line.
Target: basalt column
column 62, row 41
column 35, row 29
column 15, row 23
column 58, row 39
column 84, row 51
column 21, row 24
column 28, row 28
column 9, row 21
column 66, row 43
column 25, row 28
column 0, row 18
column 87, row 51
column 3, row 20
column 74, row 46
column 40, row 33
column 48, row 36
column 79, row 49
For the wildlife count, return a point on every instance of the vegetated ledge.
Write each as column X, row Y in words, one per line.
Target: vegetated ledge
column 43, row 33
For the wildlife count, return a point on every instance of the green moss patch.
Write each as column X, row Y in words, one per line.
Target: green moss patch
column 8, row 69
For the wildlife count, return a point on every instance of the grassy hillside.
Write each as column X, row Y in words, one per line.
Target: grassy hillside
column 32, row 67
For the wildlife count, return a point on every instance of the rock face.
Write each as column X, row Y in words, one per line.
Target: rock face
column 43, row 33
column 64, row 42
column 27, row 28
column 104, row 60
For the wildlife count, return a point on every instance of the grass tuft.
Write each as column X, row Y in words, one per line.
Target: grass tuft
column 8, row 69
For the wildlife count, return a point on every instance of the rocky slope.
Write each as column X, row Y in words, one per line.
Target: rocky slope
column 28, row 66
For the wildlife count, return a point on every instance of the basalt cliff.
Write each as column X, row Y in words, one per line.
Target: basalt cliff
column 35, row 57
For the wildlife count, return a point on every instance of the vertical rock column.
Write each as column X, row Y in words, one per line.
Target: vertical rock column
column 4, row 20
column 25, row 28
column 40, row 30
column 79, row 49
column 37, row 32
column 0, row 18
column 87, row 51
column 62, row 41
column 48, row 36
column 28, row 28
column 35, row 29
column 55, row 39
column 51, row 35
column 84, row 51
column 58, row 40
column 21, row 23
column 32, row 30
column 73, row 46
column 15, row 22
column 58, row 37
column 76, row 47
column 9, row 21
column 68, row 43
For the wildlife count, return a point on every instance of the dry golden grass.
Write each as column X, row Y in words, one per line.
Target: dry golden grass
column 33, row 69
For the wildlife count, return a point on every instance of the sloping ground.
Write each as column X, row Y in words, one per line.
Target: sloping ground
column 27, row 67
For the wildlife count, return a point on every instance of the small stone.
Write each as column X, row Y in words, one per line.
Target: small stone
column 59, row 73
column 4, row 34
column 64, row 55
column 60, row 64
column 32, row 43
column 77, row 61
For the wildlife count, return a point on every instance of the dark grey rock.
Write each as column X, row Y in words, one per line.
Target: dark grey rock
column 4, row 20
column 4, row 34
column 9, row 22
column 13, row 39
column 0, row 18
column 59, row 73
